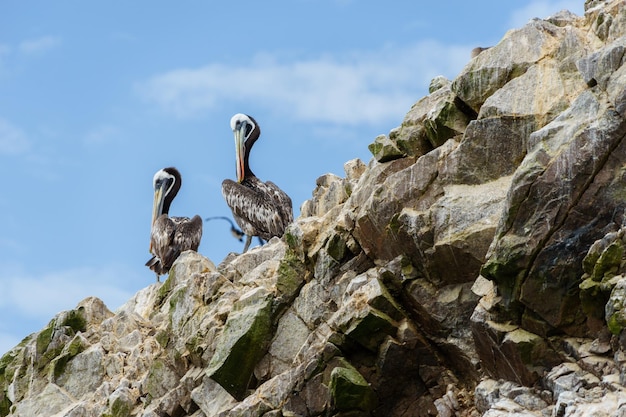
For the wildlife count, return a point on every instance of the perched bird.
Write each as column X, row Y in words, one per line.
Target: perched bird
column 170, row 236
column 259, row 208
column 237, row 234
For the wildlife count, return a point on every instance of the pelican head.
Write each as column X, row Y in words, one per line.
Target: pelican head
column 246, row 132
column 166, row 183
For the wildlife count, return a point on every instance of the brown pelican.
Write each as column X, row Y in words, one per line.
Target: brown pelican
column 237, row 234
column 259, row 208
column 170, row 236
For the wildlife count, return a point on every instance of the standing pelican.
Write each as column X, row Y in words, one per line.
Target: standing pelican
column 259, row 208
column 170, row 236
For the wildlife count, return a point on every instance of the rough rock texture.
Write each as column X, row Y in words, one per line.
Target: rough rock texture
column 476, row 266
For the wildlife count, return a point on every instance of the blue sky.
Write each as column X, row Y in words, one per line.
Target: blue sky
column 95, row 97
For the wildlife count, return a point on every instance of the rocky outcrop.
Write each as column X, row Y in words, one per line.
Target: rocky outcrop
column 476, row 266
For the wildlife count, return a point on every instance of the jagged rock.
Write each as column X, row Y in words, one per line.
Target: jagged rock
column 242, row 343
column 430, row 122
column 437, row 83
column 493, row 68
column 446, row 118
column 384, row 149
column 474, row 267
column 505, row 395
column 597, row 68
column 615, row 307
column 601, row 266
column 509, row 352
column 350, row 391
column 523, row 267
column 331, row 191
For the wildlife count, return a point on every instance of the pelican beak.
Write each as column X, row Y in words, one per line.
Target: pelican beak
column 157, row 207
column 240, row 140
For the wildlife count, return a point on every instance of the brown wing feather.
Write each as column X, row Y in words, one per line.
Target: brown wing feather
column 283, row 202
column 260, row 209
column 188, row 233
column 170, row 237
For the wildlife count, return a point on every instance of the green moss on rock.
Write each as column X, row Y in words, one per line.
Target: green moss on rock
column 120, row 408
column 592, row 298
column 350, row 391
column 372, row 328
column 163, row 338
column 46, row 353
column 7, row 370
column 75, row 319
column 59, row 364
column 449, row 122
column 336, row 247
column 161, row 378
column 291, row 239
column 609, row 261
column 5, row 405
column 384, row 149
column 291, row 278
column 44, row 338
column 167, row 286
column 291, row 274
column 243, row 343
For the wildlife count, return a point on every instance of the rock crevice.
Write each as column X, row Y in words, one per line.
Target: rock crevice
column 475, row 266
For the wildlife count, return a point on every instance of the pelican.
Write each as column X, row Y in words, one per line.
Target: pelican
column 237, row 234
column 170, row 236
column 260, row 208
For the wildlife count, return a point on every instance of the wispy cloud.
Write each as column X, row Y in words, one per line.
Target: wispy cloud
column 355, row 88
column 13, row 140
column 543, row 9
column 38, row 45
column 29, row 301
column 43, row 296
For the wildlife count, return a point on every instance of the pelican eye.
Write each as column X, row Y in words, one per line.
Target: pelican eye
column 249, row 129
column 166, row 183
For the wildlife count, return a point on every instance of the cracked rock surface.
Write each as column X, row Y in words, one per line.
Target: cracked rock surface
column 475, row 266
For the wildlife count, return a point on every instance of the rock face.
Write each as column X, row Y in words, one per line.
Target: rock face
column 476, row 266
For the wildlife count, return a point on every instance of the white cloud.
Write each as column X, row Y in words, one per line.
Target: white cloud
column 356, row 88
column 41, row 297
column 543, row 9
column 13, row 140
column 39, row 45
column 30, row 301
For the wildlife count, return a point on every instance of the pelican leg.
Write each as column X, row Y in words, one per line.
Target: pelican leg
column 248, row 241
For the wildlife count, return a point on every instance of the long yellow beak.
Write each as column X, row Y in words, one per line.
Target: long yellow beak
column 157, row 208
column 240, row 151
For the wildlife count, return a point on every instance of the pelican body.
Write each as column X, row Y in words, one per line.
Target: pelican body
column 260, row 208
column 170, row 236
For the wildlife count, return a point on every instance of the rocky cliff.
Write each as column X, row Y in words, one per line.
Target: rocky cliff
column 476, row 266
